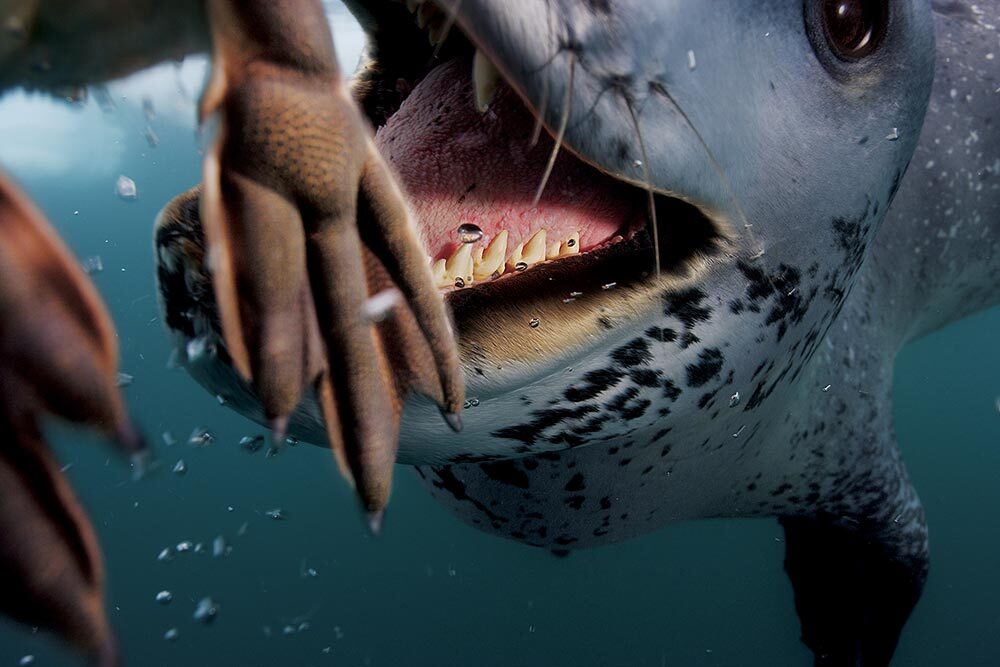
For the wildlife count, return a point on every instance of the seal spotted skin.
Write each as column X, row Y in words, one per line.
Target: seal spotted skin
column 751, row 376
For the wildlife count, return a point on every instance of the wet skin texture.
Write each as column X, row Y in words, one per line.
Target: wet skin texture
column 753, row 378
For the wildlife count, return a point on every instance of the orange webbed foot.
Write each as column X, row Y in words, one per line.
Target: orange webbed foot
column 304, row 227
column 57, row 357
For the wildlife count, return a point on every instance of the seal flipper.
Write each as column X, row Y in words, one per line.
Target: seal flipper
column 855, row 586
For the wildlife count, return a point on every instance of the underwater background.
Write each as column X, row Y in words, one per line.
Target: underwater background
column 315, row 589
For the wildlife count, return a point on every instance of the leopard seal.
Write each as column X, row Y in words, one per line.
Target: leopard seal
column 752, row 260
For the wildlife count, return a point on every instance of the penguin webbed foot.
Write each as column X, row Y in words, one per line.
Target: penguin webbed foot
column 304, row 226
column 57, row 357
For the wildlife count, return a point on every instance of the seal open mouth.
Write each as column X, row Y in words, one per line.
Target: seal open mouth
column 493, row 197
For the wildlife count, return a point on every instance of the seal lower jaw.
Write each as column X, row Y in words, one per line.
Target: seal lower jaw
column 467, row 151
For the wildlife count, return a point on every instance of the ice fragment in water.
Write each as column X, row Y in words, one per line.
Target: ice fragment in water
column 277, row 514
column 251, row 444
column 692, row 63
column 92, row 265
column 124, row 379
column 186, row 545
column 288, row 630
column 27, row 660
column 206, row 611
column 168, row 439
column 180, row 467
column 151, row 137
column 125, row 188
column 164, row 597
column 165, row 555
column 171, row 635
column 469, row 233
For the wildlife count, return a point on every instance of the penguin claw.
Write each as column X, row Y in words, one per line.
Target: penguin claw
column 304, row 222
column 57, row 357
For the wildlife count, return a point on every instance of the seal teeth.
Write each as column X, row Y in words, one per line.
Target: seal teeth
column 470, row 263
column 534, row 249
column 493, row 257
column 459, row 265
column 570, row 246
column 439, row 272
column 425, row 14
column 485, row 79
column 515, row 258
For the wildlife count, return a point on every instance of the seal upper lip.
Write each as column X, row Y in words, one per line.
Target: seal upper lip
column 469, row 155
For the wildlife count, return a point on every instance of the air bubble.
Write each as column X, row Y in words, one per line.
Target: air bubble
column 469, row 233
column 171, row 635
column 180, row 467
column 220, row 547
column 164, row 597
column 200, row 437
column 534, row 323
column 251, row 444
column 277, row 514
column 520, row 266
column 206, row 611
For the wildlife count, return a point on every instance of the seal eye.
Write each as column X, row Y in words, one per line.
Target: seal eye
column 854, row 28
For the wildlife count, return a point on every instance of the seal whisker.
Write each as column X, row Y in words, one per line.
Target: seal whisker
column 563, row 122
column 661, row 89
column 544, row 103
column 649, row 183
column 658, row 87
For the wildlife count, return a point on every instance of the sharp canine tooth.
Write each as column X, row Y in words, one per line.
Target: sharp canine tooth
column 413, row 4
column 553, row 250
column 425, row 13
column 439, row 272
column 459, row 265
column 485, row 79
column 571, row 246
column 477, row 255
column 534, row 249
column 515, row 258
column 493, row 257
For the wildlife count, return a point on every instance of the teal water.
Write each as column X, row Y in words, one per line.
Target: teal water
column 432, row 591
